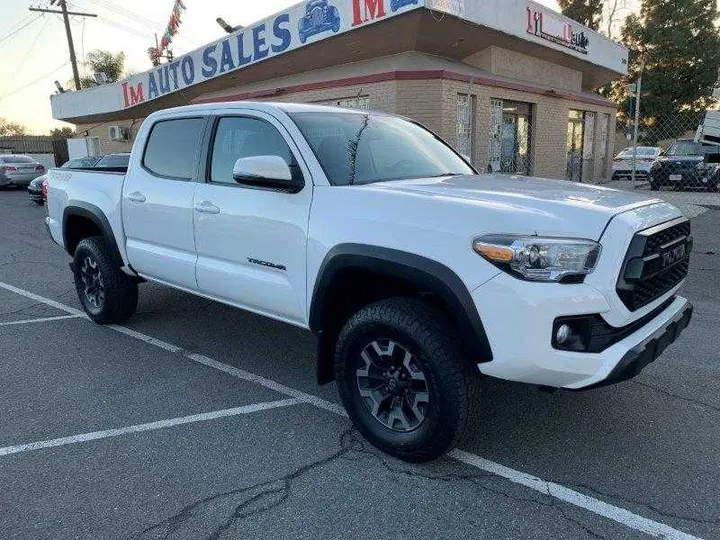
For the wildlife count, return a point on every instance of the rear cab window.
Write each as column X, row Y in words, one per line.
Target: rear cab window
column 172, row 148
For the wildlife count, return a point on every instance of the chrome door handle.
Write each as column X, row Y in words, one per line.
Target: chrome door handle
column 206, row 207
column 137, row 197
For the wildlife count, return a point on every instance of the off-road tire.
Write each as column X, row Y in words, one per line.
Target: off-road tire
column 120, row 290
column 452, row 380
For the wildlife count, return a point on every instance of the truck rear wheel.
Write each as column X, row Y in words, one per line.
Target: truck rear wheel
column 403, row 379
column 106, row 293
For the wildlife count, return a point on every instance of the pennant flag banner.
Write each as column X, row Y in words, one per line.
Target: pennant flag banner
column 170, row 31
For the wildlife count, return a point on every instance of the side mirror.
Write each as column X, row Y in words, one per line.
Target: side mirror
column 266, row 171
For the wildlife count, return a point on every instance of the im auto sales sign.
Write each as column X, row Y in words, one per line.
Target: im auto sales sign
column 302, row 24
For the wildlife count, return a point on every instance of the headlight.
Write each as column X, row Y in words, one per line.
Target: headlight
column 536, row 258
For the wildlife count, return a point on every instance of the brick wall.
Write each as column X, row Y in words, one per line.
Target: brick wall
column 548, row 133
column 433, row 102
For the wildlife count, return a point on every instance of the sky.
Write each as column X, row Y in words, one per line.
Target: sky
column 33, row 47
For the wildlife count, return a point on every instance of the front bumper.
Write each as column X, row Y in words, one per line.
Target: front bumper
column 518, row 317
column 646, row 352
column 682, row 178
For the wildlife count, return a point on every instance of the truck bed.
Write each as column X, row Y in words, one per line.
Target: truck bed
column 87, row 188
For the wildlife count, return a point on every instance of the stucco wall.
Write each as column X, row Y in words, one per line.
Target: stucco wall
column 101, row 131
column 519, row 66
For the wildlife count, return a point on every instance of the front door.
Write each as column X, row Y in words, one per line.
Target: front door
column 157, row 202
column 575, row 140
column 251, row 242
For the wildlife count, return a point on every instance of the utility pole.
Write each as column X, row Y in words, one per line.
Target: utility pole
column 637, row 121
column 66, row 19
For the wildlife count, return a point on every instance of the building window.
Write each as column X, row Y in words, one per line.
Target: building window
column 93, row 146
column 358, row 102
column 575, row 141
column 510, row 137
column 464, row 125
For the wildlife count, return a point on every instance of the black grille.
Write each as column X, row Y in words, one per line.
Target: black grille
column 666, row 236
column 657, row 260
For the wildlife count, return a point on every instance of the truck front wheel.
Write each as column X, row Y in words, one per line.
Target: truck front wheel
column 106, row 293
column 403, row 379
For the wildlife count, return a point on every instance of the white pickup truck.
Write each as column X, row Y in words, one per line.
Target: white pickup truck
column 415, row 273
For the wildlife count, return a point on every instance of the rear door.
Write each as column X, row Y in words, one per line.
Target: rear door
column 157, row 201
column 251, row 242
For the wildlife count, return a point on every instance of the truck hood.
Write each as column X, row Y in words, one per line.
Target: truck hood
column 547, row 206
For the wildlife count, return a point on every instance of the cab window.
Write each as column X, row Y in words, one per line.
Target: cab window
column 241, row 137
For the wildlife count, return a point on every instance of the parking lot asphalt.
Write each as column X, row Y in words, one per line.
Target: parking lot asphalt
column 197, row 420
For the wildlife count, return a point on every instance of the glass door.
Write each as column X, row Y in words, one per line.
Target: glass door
column 515, row 138
column 575, row 140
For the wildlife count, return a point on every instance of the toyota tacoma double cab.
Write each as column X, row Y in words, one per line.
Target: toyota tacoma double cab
column 416, row 273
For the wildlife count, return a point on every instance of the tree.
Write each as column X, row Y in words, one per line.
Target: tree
column 587, row 12
column 679, row 44
column 613, row 17
column 11, row 129
column 62, row 133
column 98, row 61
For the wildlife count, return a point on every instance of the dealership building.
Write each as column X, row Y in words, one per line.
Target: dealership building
column 509, row 83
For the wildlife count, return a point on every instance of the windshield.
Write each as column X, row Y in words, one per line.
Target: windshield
column 355, row 148
column 641, row 151
column 113, row 160
column 80, row 163
column 684, row 148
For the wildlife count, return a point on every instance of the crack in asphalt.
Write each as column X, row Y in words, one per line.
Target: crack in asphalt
column 677, row 396
column 280, row 486
column 657, row 510
column 270, row 494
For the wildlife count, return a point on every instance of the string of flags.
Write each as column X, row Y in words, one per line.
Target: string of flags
column 170, row 31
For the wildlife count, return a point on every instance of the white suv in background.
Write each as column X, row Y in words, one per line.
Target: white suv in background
column 646, row 156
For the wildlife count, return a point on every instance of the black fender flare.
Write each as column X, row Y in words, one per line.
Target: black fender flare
column 95, row 215
column 428, row 274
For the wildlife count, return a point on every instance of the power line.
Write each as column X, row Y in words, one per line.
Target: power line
column 28, row 85
column 23, row 59
column 11, row 34
column 68, row 32
column 128, row 29
column 128, row 14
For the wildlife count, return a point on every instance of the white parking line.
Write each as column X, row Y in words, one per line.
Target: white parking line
column 634, row 521
column 42, row 300
column 617, row 514
column 41, row 320
column 160, row 424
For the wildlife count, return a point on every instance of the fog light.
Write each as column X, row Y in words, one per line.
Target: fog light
column 563, row 334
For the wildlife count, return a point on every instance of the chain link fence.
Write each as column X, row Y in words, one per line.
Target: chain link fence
column 677, row 158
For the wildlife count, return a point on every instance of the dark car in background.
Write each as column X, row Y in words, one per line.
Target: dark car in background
column 687, row 164
column 35, row 189
column 18, row 170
